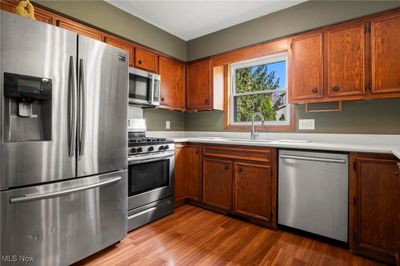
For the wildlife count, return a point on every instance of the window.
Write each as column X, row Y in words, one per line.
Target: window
column 259, row 85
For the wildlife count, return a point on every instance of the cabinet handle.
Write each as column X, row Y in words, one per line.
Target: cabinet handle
column 140, row 62
column 197, row 152
column 336, row 88
column 162, row 99
column 240, row 169
column 206, row 101
column 315, row 90
column 226, row 167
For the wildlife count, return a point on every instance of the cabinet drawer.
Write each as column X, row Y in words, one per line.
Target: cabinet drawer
column 146, row 60
column 242, row 153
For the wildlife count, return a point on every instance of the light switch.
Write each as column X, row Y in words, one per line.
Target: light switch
column 167, row 124
column 306, row 124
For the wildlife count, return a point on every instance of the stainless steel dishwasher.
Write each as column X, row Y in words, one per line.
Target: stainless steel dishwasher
column 313, row 192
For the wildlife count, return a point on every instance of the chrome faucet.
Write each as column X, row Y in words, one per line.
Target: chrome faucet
column 253, row 133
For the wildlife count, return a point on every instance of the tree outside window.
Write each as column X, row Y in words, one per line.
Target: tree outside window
column 260, row 85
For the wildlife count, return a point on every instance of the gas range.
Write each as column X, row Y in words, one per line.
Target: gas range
column 151, row 178
column 140, row 144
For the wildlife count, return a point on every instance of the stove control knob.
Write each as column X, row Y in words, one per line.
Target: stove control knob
column 166, row 147
column 133, row 150
column 139, row 149
column 161, row 148
column 151, row 148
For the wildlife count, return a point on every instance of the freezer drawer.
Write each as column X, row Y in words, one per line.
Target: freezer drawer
column 61, row 223
column 313, row 192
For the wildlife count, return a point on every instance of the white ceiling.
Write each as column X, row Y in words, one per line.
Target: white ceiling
column 189, row 19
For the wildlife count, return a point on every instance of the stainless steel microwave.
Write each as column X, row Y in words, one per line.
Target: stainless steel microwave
column 144, row 88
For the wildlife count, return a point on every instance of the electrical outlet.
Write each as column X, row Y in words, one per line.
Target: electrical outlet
column 167, row 124
column 306, row 124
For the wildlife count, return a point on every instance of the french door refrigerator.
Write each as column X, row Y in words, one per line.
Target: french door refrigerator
column 63, row 150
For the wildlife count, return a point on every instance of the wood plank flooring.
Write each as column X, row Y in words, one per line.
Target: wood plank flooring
column 193, row 236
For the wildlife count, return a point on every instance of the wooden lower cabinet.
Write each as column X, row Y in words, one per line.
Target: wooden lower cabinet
column 253, row 193
column 375, row 206
column 188, row 173
column 217, row 183
column 242, row 181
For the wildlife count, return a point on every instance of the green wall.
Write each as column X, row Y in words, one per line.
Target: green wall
column 372, row 117
column 105, row 16
column 156, row 118
column 303, row 17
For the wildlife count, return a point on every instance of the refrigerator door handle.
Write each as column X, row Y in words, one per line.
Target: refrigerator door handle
column 71, row 107
column 39, row 196
column 82, row 108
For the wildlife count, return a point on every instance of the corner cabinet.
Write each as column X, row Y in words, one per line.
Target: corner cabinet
column 375, row 206
column 173, row 93
column 242, row 181
column 188, row 173
column 199, row 94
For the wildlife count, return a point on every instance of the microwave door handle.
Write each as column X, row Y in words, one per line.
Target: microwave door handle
column 151, row 93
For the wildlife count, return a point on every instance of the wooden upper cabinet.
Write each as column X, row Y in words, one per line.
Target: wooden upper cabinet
column 146, row 60
column 253, row 190
column 306, row 67
column 198, row 85
column 122, row 44
column 345, row 57
column 44, row 16
column 375, row 208
column 79, row 28
column 9, row 6
column 217, row 183
column 173, row 93
column 385, row 53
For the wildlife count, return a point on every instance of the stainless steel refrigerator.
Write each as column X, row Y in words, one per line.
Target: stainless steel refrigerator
column 63, row 150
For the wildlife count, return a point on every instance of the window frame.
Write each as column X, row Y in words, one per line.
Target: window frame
column 287, row 125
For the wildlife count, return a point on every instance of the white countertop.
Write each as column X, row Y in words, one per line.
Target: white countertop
column 389, row 144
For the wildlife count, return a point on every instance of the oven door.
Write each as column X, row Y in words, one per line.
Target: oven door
column 140, row 87
column 150, row 178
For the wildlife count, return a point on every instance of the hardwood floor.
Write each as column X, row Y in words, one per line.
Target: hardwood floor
column 193, row 236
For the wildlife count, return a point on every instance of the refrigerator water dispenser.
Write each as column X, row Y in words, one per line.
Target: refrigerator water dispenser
column 27, row 112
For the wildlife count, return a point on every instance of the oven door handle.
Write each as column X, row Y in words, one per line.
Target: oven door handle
column 149, row 158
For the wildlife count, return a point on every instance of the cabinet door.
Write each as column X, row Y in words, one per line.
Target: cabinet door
column 217, row 183
column 254, row 191
column 146, row 60
column 122, row 44
column 180, row 174
column 188, row 175
column 79, row 28
column 195, row 181
column 306, row 67
column 385, row 53
column 173, row 94
column 345, row 57
column 375, row 187
column 198, row 87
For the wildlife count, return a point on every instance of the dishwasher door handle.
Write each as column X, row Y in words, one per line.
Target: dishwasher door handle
column 314, row 159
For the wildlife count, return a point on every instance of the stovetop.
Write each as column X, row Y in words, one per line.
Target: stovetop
column 139, row 144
